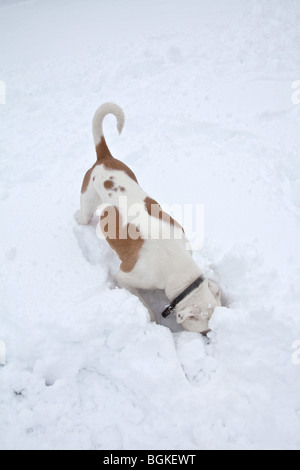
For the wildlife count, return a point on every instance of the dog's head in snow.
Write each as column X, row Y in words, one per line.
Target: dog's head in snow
column 195, row 311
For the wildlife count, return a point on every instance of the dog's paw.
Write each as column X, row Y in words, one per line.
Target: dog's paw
column 80, row 219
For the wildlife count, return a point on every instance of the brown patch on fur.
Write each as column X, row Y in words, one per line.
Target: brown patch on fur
column 86, row 180
column 102, row 150
column 108, row 184
column 125, row 240
column 155, row 210
column 104, row 156
column 114, row 164
column 119, row 188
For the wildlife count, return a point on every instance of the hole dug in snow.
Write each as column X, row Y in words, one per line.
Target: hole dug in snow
column 192, row 353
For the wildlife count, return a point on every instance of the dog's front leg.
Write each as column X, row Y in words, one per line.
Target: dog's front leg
column 121, row 279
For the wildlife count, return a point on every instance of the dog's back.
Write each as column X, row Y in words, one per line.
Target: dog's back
column 110, row 182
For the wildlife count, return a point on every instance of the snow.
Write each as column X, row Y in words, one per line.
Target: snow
column 207, row 89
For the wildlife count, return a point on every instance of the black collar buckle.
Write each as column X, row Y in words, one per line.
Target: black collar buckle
column 169, row 308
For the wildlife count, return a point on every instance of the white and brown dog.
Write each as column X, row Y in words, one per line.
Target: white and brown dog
column 152, row 246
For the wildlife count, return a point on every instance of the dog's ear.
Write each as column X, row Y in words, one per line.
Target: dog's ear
column 190, row 311
column 215, row 289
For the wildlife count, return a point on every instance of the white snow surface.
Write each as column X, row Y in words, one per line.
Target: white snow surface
column 207, row 92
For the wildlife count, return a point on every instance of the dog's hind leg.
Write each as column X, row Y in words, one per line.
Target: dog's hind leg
column 89, row 199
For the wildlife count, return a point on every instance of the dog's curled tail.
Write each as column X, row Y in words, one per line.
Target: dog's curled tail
column 99, row 140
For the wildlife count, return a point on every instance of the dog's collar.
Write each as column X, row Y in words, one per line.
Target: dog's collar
column 169, row 308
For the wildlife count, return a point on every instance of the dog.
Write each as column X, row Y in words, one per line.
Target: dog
column 152, row 246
